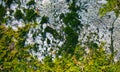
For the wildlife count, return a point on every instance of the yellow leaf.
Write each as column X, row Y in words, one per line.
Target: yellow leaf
column 13, row 52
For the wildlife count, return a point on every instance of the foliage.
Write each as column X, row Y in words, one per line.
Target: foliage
column 31, row 2
column 17, row 56
column 8, row 3
column 18, row 15
column 30, row 15
column 111, row 5
column 2, row 12
column 71, row 40
column 73, row 27
column 44, row 20
column 14, row 54
column 97, row 60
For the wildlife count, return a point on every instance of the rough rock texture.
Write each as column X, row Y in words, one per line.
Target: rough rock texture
column 104, row 24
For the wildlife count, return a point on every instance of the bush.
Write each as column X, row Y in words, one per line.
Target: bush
column 96, row 60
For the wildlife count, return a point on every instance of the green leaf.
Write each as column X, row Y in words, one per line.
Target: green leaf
column 2, row 12
column 44, row 20
column 18, row 15
column 31, row 2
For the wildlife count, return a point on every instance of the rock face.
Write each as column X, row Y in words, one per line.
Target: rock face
column 104, row 24
column 91, row 18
